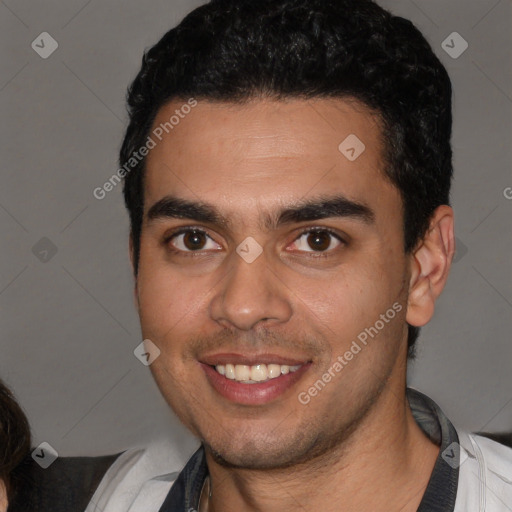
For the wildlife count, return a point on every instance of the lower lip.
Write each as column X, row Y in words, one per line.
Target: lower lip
column 252, row 394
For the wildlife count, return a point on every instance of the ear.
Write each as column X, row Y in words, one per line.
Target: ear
column 132, row 262
column 430, row 265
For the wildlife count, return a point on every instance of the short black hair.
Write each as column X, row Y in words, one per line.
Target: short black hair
column 238, row 50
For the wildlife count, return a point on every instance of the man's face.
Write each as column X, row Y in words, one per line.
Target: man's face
column 303, row 301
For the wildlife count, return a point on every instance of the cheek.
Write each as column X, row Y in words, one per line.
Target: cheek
column 350, row 302
column 162, row 297
column 173, row 306
column 348, row 297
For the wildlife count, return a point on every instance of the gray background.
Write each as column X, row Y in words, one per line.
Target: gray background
column 69, row 326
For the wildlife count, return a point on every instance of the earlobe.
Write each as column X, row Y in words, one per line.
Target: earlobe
column 430, row 266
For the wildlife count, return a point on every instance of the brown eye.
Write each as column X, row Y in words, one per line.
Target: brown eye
column 194, row 240
column 190, row 240
column 319, row 240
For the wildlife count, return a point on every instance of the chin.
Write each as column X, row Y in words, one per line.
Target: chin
column 261, row 453
column 253, row 460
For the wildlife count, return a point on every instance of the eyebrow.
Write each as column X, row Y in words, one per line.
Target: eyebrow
column 171, row 207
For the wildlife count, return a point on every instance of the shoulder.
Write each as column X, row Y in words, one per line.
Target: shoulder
column 485, row 474
column 108, row 483
column 67, row 484
column 142, row 475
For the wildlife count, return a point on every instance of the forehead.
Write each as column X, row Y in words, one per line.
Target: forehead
column 266, row 152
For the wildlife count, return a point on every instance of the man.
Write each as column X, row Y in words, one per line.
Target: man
column 288, row 168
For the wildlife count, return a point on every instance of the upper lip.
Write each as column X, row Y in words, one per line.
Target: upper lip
column 250, row 359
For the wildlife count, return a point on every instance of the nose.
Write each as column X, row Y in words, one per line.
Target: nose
column 250, row 294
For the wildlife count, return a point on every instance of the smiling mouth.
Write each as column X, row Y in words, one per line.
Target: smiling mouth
column 253, row 379
column 255, row 374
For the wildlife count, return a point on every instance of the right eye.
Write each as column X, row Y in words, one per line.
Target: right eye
column 190, row 240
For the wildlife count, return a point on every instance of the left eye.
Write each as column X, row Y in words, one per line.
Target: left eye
column 192, row 240
column 317, row 241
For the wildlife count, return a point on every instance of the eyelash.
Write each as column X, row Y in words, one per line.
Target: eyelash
column 312, row 230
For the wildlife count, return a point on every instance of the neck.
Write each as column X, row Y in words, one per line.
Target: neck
column 386, row 462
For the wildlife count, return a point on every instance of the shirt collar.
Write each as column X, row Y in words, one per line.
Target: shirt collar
column 441, row 490
column 439, row 495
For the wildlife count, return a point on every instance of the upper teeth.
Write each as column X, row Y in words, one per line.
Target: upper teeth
column 255, row 373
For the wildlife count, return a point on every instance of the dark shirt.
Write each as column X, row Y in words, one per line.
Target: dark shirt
column 65, row 486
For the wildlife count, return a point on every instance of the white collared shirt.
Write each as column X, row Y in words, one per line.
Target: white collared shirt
column 140, row 478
